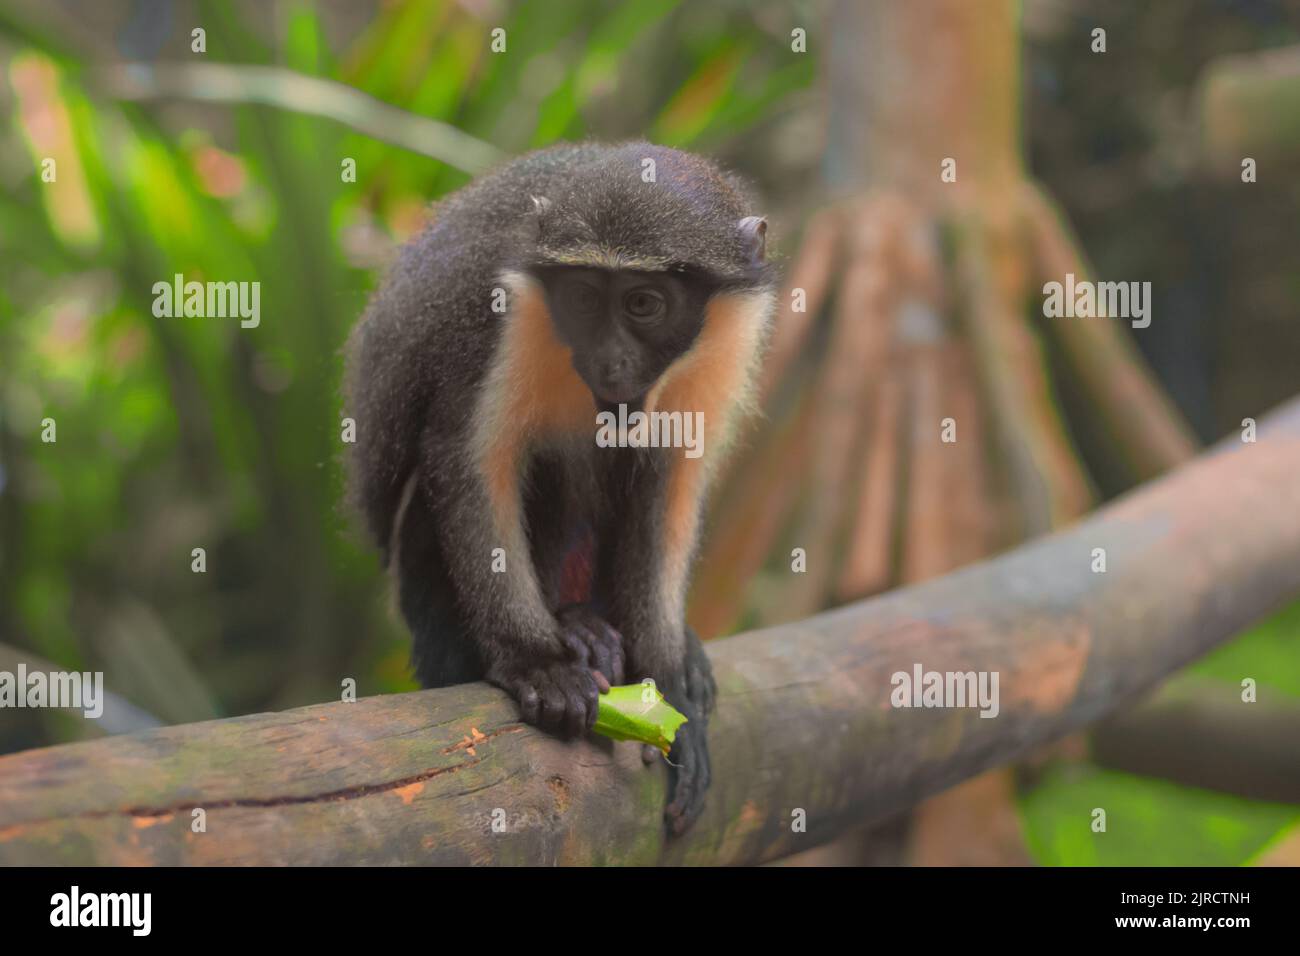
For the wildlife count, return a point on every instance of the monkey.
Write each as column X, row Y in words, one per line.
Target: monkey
column 570, row 281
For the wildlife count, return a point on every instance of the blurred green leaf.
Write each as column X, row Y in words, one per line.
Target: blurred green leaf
column 1148, row 822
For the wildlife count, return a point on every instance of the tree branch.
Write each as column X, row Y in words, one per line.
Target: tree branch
column 804, row 720
column 1200, row 733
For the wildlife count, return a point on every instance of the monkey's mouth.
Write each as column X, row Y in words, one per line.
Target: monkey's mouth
column 610, row 397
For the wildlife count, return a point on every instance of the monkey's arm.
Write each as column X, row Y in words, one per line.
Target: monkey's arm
column 545, row 663
column 649, row 541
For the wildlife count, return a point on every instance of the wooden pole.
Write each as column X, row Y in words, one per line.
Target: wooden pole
column 805, row 729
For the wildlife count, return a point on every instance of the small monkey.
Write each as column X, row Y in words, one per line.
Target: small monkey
column 569, row 282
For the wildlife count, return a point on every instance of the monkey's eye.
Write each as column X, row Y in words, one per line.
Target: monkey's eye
column 582, row 298
column 643, row 303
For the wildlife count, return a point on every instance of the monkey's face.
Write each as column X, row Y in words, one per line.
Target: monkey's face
column 624, row 327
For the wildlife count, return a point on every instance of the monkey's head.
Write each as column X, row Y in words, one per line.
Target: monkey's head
column 631, row 252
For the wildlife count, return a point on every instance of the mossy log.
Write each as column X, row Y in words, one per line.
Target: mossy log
column 805, row 729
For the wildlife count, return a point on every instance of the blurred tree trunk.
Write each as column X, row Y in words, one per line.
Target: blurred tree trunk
column 920, row 430
column 912, row 83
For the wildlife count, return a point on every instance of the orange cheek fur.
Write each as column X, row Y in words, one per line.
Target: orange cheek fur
column 542, row 393
column 712, row 378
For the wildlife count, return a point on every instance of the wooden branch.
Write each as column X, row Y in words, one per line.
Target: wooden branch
column 862, row 336
column 813, row 271
column 761, row 485
column 1041, row 466
column 1144, row 427
column 748, row 522
column 120, row 716
column 804, row 721
column 868, row 562
column 1200, row 733
column 948, row 498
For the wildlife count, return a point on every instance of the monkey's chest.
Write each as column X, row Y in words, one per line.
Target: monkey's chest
column 578, row 565
column 563, row 492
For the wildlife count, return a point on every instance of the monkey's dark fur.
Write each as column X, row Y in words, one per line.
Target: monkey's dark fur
column 433, row 380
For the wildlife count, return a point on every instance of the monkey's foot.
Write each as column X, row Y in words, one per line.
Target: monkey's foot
column 689, row 774
column 592, row 640
column 689, row 771
column 560, row 696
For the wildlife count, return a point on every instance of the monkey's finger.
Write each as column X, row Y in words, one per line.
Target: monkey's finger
column 578, row 648
column 681, row 761
column 529, row 704
column 575, row 719
column 611, row 643
column 580, row 700
column 606, row 649
column 675, row 816
column 554, row 707
column 690, row 782
column 602, row 684
column 650, row 754
column 701, row 688
column 602, row 661
column 590, row 693
column 616, row 662
column 611, row 631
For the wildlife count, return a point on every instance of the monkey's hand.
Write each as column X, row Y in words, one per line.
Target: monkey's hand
column 558, row 695
column 590, row 638
column 689, row 771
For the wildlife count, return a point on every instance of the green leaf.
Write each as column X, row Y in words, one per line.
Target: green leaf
column 638, row 712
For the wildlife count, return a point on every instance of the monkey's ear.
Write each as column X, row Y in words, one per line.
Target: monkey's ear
column 529, row 230
column 753, row 234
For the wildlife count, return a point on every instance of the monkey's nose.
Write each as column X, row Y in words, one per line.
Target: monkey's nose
column 615, row 369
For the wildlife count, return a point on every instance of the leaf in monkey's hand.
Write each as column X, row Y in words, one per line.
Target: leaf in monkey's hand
column 638, row 712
